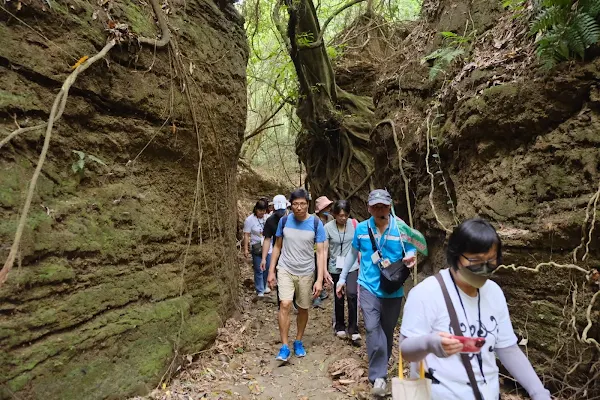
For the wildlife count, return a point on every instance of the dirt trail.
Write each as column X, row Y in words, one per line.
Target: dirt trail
column 241, row 364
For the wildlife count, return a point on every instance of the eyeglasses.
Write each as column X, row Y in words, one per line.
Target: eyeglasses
column 481, row 266
column 299, row 205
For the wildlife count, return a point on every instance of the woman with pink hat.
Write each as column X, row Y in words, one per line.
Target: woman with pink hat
column 323, row 208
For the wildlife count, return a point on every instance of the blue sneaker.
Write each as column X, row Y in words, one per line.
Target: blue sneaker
column 284, row 353
column 299, row 348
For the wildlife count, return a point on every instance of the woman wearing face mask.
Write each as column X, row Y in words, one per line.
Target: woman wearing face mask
column 323, row 209
column 340, row 233
column 474, row 251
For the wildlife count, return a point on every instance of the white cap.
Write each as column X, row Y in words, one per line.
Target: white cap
column 280, row 202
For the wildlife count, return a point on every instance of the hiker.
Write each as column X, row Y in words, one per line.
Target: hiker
column 253, row 240
column 322, row 210
column 380, row 244
column 340, row 233
column 478, row 309
column 271, row 208
column 280, row 210
column 293, row 256
column 280, row 204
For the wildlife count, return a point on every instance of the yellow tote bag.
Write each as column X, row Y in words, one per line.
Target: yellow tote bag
column 411, row 389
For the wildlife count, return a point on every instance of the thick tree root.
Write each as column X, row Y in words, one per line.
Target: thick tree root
column 164, row 27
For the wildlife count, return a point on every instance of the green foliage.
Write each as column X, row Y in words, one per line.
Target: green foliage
column 305, row 38
column 272, row 77
column 454, row 40
column 517, row 6
column 454, row 47
column 78, row 166
column 565, row 30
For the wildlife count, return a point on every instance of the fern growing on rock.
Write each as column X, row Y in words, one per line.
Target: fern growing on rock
column 565, row 29
column 443, row 57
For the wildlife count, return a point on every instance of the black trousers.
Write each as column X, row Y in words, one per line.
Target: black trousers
column 352, row 297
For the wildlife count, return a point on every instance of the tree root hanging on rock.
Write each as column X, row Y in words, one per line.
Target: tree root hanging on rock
column 56, row 112
column 164, row 27
column 590, row 209
column 17, row 132
column 437, row 218
column 57, row 109
column 584, row 338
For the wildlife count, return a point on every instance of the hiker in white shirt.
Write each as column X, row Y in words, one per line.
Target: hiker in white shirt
column 252, row 245
column 474, row 251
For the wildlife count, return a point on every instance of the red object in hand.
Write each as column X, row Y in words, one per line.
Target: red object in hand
column 470, row 344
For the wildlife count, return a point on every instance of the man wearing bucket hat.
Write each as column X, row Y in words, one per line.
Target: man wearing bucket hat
column 383, row 243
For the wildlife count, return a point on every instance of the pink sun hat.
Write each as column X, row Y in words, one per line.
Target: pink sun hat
column 321, row 203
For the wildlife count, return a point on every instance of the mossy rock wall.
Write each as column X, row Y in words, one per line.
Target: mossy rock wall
column 107, row 288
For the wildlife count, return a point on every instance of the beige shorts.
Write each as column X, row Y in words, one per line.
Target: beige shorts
column 289, row 284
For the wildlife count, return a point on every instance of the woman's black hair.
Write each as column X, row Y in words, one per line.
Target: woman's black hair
column 299, row 194
column 341, row 205
column 474, row 235
column 260, row 205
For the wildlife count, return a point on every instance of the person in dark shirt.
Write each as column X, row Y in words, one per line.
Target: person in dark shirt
column 280, row 210
column 280, row 204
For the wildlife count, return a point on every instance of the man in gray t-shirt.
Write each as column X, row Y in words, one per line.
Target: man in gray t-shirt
column 293, row 256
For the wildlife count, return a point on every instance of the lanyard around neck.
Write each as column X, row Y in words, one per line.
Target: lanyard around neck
column 479, row 330
column 385, row 238
column 342, row 238
column 261, row 223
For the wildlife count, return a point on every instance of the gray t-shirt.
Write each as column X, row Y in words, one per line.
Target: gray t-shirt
column 340, row 244
column 298, row 250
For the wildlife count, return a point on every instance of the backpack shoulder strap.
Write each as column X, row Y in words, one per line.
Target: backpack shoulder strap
column 316, row 227
column 456, row 328
column 283, row 222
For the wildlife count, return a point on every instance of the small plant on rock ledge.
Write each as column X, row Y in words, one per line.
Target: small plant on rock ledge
column 78, row 166
column 565, row 29
column 453, row 49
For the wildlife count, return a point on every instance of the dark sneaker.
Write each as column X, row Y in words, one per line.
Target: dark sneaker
column 299, row 349
column 284, row 353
